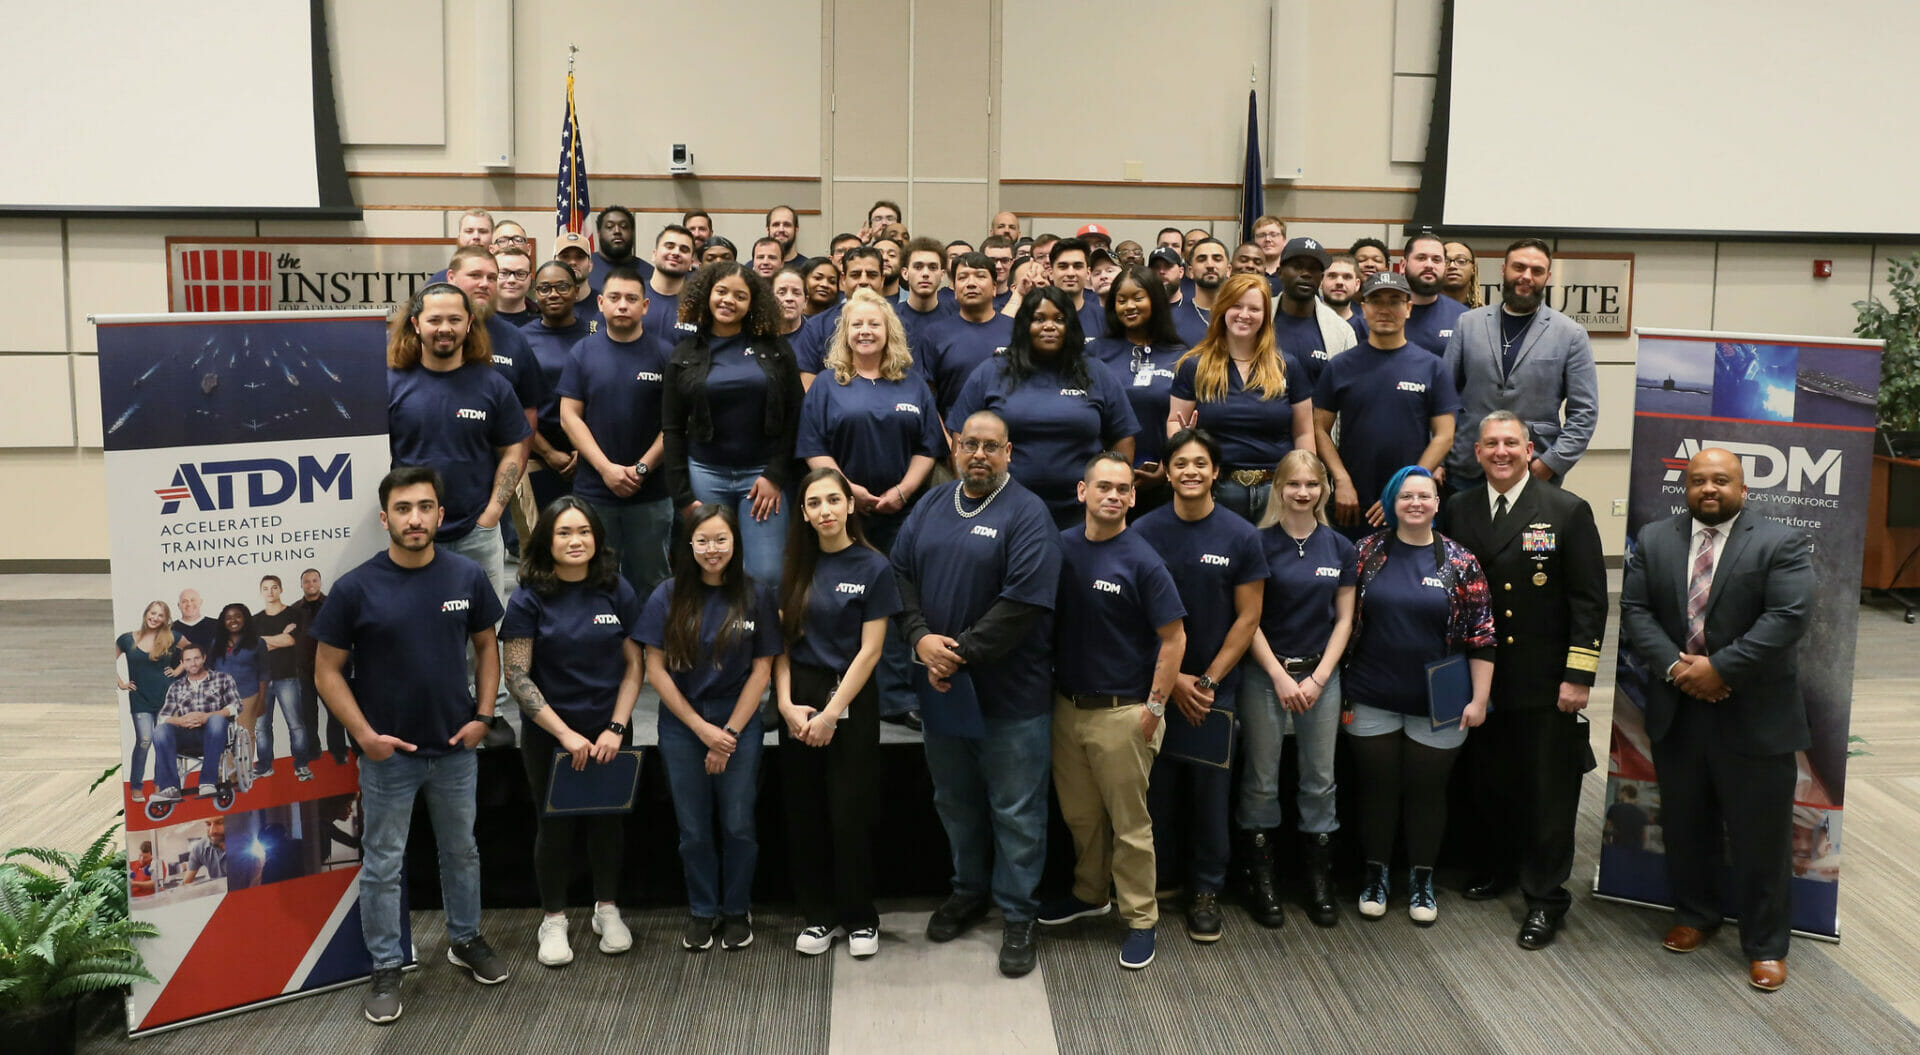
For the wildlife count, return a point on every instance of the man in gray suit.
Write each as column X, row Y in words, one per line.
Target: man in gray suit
column 1523, row 356
column 1714, row 604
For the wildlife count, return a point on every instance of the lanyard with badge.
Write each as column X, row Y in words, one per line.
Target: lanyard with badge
column 1142, row 366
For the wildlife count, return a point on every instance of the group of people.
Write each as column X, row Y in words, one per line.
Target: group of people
column 1229, row 495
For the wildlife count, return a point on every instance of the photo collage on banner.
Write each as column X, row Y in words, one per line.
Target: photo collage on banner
column 1800, row 413
column 243, row 458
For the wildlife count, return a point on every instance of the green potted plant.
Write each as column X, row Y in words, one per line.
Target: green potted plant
column 1896, row 321
column 64, row 933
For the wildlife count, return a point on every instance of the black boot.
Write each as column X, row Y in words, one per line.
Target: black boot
column 1320, row 907
column 1263, row 900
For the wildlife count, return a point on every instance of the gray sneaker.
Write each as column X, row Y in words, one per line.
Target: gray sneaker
column 477, row 956
column 382, row 1003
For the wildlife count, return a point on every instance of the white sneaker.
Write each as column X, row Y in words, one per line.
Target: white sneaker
column 815, row 940
column 555, row 951
column 864, row 942
column 615, row 938
column 139, row 795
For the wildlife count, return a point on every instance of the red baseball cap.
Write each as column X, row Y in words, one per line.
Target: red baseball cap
column 1094, row 228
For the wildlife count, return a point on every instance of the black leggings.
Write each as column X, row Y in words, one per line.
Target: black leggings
column 1402, row 781
column 829, row 796
column 553, row 844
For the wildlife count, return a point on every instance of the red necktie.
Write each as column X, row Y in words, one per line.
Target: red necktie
column 1697, row 586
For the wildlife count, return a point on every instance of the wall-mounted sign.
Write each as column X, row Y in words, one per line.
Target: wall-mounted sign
column 285, row 274
column 1593, row 289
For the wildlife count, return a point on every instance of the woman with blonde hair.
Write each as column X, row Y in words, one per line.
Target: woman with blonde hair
column 150, row 655
column 1292, row 680
column 1238, row 385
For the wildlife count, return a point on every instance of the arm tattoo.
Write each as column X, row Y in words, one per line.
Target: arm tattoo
column 519, row 659
column 505, row 482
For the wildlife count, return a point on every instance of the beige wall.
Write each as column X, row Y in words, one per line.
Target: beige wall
column 952, row 107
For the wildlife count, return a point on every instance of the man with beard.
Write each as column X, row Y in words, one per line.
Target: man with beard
column 890, row 249
column 783, row 226
column 673, row 256
column 1005, row 225
column 616, row 231
column 1432, row 323
column 1207, row 267
column 1338, row 289
column 700, row 225
column 475, row 272
column 1302, row 326
column 1523, row 356
column 978, row 562
column 1171, row 269
column 1714, row 604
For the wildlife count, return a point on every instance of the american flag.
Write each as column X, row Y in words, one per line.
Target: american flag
column 570, row 203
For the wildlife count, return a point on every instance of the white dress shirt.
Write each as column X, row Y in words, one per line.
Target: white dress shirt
column 1513, row 495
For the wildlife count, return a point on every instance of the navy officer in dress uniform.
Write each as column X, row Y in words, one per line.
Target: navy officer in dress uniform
column 1541, row 553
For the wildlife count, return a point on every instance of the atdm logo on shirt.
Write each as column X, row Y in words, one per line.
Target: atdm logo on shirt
column 648, row 375
column 1216, row 559
column 986, row 532
column 1106, row 587
column 1078, row 392
column 906, row 408
column 1433, row 581
column 745, row 626
column 502, row 360
column 606, row 620
column 458, row 605
column 1444, row 334
column 1326, row 573
column 1411, row 386
column 465, row 414
column 855, row 589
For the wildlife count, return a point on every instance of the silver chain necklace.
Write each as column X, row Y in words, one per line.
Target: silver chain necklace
column 984, row 504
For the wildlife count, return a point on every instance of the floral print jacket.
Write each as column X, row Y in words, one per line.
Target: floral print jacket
column 1469, row 602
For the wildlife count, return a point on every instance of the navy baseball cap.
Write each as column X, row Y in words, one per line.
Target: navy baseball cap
column 1168, row 255
column 1306, row 247
column 1393, row 280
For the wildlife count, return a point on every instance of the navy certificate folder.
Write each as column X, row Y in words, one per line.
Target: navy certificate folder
column 1208, row 744
column 602, row 787
column 955, row 712
column 1449, row 690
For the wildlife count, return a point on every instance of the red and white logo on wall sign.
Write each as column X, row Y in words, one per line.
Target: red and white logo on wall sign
column 227, row 280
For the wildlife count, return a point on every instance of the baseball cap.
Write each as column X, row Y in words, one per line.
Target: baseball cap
column 1094, row 229
column 1306, row 247
column 1392, row 280
column 570, row 240
column 1100, row 252
column 1168, row 255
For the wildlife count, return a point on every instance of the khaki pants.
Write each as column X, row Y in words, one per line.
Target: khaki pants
column 1100, row 766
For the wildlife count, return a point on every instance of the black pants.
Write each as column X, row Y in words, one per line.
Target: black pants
column 829, row 793
column 553, row 844
column 1524, row 768
column 1706, row 790
column 1403, row 787
column 310, row 712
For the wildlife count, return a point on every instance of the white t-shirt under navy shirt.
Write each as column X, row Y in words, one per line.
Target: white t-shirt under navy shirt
column 408, row 630
column 722, row 676
column 578, row 662
column 850, row 589
column 454, row 421
column 1115, row 595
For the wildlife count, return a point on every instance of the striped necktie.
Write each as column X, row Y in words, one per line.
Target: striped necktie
column 1697, row 586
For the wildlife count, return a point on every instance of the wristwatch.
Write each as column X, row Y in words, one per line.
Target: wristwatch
column 641, row 468
column 483, row 719
column 1206, row 683
column 617, row 728
column 1156, row 708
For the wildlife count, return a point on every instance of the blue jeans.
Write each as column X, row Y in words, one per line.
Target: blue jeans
column 484, row 547
column 718, row 866
column 171, row 741
column 640, row 532
column 1263, row 725
column 387, row 790
column 1249, row 502
column 895, row 673
column 142, row 743
column 991, row 795
column 285, row 692
column 763, row 543
column 1192, row 800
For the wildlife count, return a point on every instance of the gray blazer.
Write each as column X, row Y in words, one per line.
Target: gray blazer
column 1554, row 367
column 1757, row 611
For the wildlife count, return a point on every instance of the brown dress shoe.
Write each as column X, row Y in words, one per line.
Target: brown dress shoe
column 1683, row 938
column 1767, row 975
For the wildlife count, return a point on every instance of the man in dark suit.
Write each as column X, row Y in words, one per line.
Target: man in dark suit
column 1714, row 604
column 1541, row 552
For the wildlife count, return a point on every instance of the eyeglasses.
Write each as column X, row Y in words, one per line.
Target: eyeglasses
column 545, row 288
column 510, row 239
column 986, row 447
column 1463, row 261
column 516, row 274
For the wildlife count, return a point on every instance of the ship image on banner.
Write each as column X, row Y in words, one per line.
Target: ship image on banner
column 1799, row 412
column 243, row 456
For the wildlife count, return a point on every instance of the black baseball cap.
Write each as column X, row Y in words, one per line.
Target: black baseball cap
column 1378, row 281
column 1166, row 254
column 1306, row 247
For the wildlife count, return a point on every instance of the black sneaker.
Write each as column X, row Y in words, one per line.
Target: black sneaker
column 736, row 932
column 477, row 956
column 382, row 1003
column 1203, row 917
column 954, row 916
column 699, row 933
column 1017, row 954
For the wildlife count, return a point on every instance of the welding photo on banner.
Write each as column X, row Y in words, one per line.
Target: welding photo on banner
column 1799, row 413
column 243, row 454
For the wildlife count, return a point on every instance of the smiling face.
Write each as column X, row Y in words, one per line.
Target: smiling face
column 310, row 585
column 866, row 332
column 712, row 548
column 573, row 541
column 1191, row 471
column 766, row 259
column 1070, row 272
column 1132, row 304
column 190, row 606
column 1716, row 486
column 823, row 286
column 1370, row 260
column 1303, row 492
column 155, row 616
column 1248, row 260
column 234, row 619
column 1107, row 492
column 1048, row 330
column 1340, row 283
column 553, row 287
column 825, row 506
column 700, row 227
column 1503, row 451
column 1417, row 502
column 442, row 325
column 673, row 253
column 729, row 301
column 783, row 225
column 1246, row 315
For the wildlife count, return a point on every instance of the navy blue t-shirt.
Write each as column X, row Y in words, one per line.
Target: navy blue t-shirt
column 1431, row 325
column 1056, row 427
column 1297, row 616
column 408, row 630
column 871, row 428
column 1403, row 628
column 810, row 343
column 714, row 677
column 552, row 347
column 202, row 633
column 663, row 314
column 1386, row 403
column 1208, row 557
column 737, row 394
column 454, row 421
column 619, row 388
column 1189, row 321
column 1115, row 595
column 1254, row 433
column 1146, row 372
column 597, row 278
column 577, row 659
column 961, row 566
column 916, row 323
column 1301, row 339
column 1093, row 315
column 850, row 589
column 517, row 319
column 513, row 357
column 953, row 348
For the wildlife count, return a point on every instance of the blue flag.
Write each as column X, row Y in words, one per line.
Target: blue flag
column 570, row 201
column 1253, row 201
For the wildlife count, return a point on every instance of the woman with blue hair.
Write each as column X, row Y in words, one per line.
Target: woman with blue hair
column 1421, row 597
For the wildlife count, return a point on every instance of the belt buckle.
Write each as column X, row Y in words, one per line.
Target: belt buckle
column 1250, row 477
